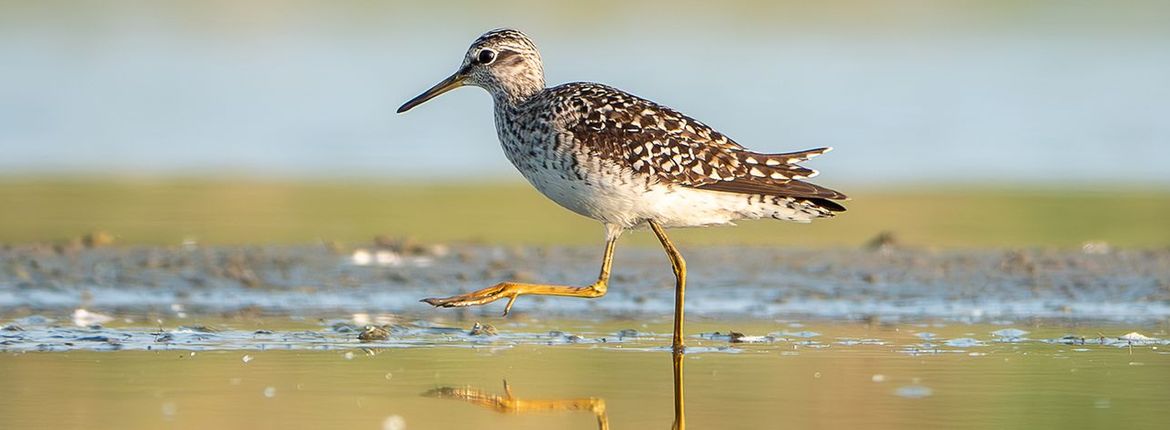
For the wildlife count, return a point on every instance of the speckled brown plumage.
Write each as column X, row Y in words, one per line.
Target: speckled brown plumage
column 660, row 142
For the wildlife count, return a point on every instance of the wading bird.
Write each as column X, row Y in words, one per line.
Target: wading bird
column 623, row 160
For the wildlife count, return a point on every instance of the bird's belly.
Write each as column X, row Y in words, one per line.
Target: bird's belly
column 595, row 197
column 628, row 200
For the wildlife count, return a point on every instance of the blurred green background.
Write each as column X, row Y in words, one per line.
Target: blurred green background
column 956, row 124
column 250, row 212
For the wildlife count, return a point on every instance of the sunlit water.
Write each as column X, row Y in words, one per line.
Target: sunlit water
column 277, row 373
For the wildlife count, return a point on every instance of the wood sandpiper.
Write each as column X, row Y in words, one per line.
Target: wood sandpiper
column 625, row 161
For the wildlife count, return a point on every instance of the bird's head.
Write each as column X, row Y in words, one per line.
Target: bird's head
column 504, row 62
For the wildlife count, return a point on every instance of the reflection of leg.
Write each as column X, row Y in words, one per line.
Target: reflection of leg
column 508, row 403
column 680, row 419
column 680, row 276
column 512, row 290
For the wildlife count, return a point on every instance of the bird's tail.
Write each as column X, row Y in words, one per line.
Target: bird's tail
column 784, row 165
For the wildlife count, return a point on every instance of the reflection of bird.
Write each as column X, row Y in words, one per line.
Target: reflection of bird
column 623, row 160
column 508, row 403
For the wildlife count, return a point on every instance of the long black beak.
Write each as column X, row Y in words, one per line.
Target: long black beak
column 452, row 82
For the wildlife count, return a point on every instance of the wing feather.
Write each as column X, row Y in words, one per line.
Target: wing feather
column 676, row 149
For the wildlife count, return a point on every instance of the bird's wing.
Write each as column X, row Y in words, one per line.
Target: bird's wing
column 674, row 148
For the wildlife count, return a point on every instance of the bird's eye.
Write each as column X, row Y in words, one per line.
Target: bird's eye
column 486, row 56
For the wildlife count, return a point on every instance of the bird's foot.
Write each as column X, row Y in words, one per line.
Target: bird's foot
column 478, row 297
column 512, row 290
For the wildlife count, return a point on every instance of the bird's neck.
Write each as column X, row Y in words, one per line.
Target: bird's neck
column 517, row 88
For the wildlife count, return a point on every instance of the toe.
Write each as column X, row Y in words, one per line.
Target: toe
column 434, row 301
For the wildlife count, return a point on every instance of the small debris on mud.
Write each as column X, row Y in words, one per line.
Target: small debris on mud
column 884, row 241
column 96, row 239
column 627, row 332
column 558, row 336
column 1135, row 337
column 402, row 245
column 394, row 252
column 197, row 329
column 372, row 333
column 742, row 338
column 1096, row 247
column 736, row 337
column 84, row 318
column 483, row 329
column 1018, row 262
column 97, row 338
column 363, row 257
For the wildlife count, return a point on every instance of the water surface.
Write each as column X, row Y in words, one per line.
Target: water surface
column 316, row 337
column 272, row 373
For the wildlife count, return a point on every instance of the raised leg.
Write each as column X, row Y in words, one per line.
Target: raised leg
column 512, row 290
column 680, row 284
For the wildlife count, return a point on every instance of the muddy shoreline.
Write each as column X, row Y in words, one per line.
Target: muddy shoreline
column 390, row 277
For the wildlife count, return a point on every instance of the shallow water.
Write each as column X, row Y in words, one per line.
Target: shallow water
column 280, row 373
column 192, row 337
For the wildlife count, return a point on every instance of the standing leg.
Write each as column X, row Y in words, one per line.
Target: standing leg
column 680, row 276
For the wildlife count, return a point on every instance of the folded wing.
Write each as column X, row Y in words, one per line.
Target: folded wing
column 661, row 142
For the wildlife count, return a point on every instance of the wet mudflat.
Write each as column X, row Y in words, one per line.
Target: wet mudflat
column 884, row 281
column 314, row 337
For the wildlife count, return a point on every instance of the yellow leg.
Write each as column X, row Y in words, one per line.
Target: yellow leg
column 512, row 290
column 680, row 285
column 680, row 417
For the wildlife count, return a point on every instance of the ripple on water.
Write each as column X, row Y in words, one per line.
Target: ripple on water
column 913, row 391
column 1010, row 334
column 963, row 342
